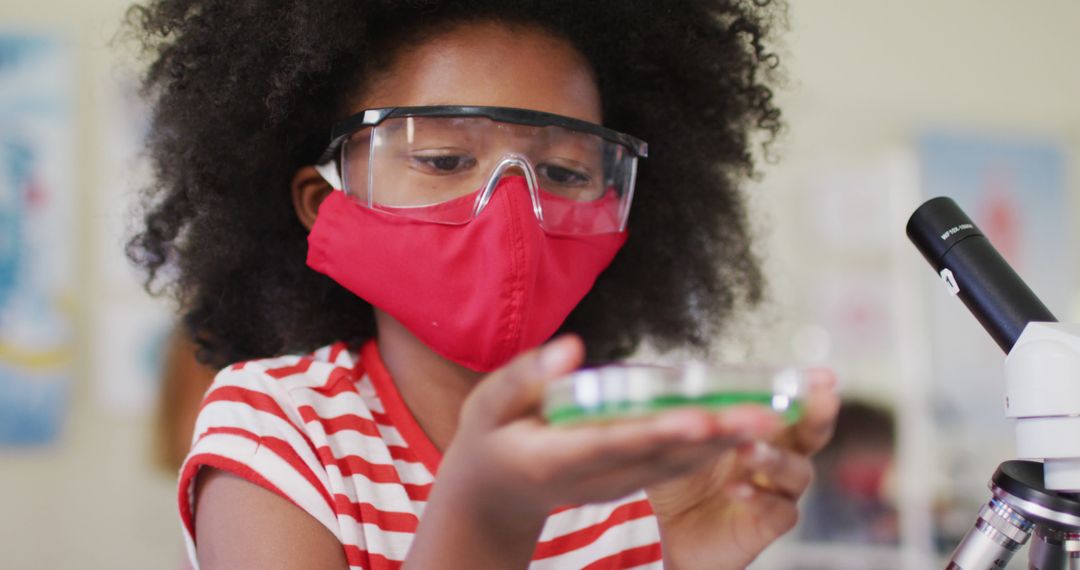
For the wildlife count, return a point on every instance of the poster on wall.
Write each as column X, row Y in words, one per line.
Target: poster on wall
column 1015, row 190
column 36, row 237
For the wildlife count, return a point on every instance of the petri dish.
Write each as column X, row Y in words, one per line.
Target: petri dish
column 626, row 390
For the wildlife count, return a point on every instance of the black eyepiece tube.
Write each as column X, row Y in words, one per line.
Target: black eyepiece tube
column 974, row 271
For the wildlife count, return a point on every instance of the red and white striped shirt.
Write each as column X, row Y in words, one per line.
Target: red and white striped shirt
column 329, row 432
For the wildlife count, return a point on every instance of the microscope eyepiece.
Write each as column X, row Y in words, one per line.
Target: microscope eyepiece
column 973, row 270
column 937, row 226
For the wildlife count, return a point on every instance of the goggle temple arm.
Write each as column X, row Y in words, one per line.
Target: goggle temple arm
column 329, row 172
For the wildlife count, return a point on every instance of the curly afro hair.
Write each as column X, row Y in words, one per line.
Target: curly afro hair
column 244, row 93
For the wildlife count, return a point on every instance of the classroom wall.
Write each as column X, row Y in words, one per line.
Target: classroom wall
column 864, row 78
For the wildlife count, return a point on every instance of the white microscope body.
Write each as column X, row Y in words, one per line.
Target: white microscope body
column 1042, row 392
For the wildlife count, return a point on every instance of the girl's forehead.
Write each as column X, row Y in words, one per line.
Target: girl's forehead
column 490, row 64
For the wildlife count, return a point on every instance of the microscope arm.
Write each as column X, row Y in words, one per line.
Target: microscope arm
column 1042, row 392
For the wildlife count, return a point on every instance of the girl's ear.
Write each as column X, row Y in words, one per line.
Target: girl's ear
column 308, row 191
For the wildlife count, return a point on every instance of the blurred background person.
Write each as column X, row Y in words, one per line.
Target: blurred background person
column 850, row 500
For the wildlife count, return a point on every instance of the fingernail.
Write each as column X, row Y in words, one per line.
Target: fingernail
column 553, row 356
column 741, row 492
column 822, row 378
column 764, row 453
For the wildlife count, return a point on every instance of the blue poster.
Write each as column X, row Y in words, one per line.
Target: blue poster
column 1015, row 190
column 36, row 237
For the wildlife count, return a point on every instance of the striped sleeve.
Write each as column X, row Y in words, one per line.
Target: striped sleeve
column 618, row 534
column 248, row 427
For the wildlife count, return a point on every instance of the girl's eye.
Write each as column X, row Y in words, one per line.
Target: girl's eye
column 562, row 175
column 442, row 163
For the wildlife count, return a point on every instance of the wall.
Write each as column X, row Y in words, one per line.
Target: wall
column 94, row 499
column 864, row 79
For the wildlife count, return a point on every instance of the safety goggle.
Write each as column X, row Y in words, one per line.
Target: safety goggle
column 442, row 164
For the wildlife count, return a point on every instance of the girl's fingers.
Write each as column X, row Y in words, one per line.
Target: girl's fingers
column 617, row 444
column 665, row 465
column 814, row 430
column 773, row 514
column 775, row 470
column 735, row 427
column 516, row 389
column 593, row 448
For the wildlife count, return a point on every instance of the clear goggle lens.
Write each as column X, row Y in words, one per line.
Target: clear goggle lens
column 443, row 170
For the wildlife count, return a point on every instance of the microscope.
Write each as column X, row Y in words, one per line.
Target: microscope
column 1040, row 494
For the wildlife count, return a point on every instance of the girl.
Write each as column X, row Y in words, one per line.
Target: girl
column 467, row 206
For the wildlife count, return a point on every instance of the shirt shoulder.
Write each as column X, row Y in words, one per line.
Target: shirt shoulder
column 279, row 397
column 323, row 370
column 262, row 420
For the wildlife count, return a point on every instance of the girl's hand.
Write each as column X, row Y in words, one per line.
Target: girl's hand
column 725, row 514
column 506, row 469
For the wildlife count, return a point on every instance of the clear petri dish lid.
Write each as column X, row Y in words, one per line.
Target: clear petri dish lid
column 626, row 390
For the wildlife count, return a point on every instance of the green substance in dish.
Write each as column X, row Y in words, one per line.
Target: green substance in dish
column 573, row 414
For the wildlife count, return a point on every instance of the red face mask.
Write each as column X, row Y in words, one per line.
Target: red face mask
column 478, row 293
